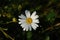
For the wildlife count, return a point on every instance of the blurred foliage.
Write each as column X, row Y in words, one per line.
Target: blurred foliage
column 47, row 38
column 49, row 16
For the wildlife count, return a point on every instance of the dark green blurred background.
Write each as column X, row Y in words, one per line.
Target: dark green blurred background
column 49, row 16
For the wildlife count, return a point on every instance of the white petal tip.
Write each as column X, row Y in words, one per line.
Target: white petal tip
column 19, row 22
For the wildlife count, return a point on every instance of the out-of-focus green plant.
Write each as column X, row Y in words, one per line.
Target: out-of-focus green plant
column 47, row 38
column 50, row 17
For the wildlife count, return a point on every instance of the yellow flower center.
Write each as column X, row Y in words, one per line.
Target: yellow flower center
column 29, row 20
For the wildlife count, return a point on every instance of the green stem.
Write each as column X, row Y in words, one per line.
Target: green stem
column 6, row 35
column 29, row 35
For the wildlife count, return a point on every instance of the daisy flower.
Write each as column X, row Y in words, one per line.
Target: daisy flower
column 29, row 21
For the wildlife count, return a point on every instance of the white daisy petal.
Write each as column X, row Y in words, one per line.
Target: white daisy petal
column 24, row 29
column 27, row 13
column 30, row 28
column 27, row 27
column 19, row 22
column 24, row 26
column 35, row 17
column 33, row 26
column 19, row 19
column 22, row 16
column 36, row 25
column 33, row 14
column 36, row 21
